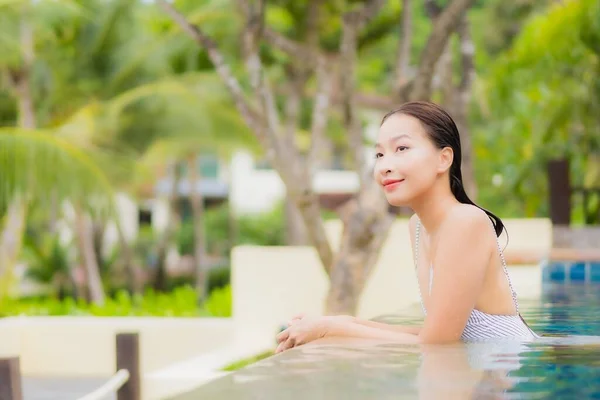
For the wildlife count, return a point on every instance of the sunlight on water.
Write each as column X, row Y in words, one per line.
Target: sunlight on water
column 565, row 363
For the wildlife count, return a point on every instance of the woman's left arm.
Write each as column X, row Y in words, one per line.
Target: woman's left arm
column 462, row 256
column 463, row 252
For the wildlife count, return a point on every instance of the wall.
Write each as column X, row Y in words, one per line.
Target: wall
column 271, row 284
column 85, row 346
column 582, row 237
column 256, row 190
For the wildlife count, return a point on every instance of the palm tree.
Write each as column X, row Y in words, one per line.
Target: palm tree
column 116, row 124
column 36, row 163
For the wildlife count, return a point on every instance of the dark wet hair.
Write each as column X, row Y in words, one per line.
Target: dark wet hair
column 443, row 133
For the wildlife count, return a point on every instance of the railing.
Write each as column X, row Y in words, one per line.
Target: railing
column 113, row 385
column 126, row 382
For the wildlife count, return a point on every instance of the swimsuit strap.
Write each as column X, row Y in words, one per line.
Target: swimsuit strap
column 416, row 262
column 505, row 269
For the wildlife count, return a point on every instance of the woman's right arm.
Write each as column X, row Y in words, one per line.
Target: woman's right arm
column 413, row 329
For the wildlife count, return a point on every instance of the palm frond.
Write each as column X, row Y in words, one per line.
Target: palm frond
column 36, row 164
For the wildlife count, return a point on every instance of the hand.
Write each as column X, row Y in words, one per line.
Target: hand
column 302, row 330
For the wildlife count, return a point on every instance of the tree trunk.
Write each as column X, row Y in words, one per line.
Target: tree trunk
column 403, row 58
column 78, row 282
column 461, row 113
column 133, row 272
column 295, row 231
column 10, row 243
column 87, row 253
column 160, row 278
column 366, row 221
column 366, row 226
column 12, row 233
column 197, row 203
column 22, row 77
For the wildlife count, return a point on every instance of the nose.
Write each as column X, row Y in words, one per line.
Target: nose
column 383, row 166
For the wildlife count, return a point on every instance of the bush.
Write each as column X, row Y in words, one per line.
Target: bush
column 218, row 278
column 265, row 229
column 181, row 302
column 218, row 303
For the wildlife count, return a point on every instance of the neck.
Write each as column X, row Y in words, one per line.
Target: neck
column 433, row 207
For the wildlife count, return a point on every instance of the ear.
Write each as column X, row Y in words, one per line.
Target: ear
column 446, row 158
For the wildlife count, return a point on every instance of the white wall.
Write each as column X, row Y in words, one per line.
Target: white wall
column 58, row 345
column 254, row 190
column 85, row 347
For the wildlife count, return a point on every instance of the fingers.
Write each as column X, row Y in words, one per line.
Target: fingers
column 285, row 345
column 282, row 336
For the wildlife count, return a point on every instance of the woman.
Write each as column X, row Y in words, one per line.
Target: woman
column 466, row 290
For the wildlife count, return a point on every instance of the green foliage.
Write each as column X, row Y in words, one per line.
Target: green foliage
column 234, row 366
column 218, row 303
column 182, row 302
column 47, row 260
column 264, row 229
column 218, row 278
column 542, row 102
column 37, row 163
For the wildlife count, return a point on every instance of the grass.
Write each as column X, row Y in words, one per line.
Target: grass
column 234, row 366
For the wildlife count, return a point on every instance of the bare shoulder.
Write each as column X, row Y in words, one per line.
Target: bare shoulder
column 468, row 221
column 466, row 239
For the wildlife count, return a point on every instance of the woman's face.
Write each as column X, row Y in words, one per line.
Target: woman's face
column 407, row 162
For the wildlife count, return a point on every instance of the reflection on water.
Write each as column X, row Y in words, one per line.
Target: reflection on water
column 560, row 367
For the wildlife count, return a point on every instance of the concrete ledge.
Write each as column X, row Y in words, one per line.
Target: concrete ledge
column 569, row 254
column 85, row 346
column 528, row 257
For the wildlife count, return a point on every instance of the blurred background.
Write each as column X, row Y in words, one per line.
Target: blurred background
column 128, row 167
column 142, row 142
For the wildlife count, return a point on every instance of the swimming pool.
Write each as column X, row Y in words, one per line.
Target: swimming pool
column 557, row 367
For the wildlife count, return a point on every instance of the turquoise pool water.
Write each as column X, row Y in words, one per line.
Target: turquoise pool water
column 565, row 364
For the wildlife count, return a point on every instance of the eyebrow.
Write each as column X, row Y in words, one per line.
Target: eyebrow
column 393, row 139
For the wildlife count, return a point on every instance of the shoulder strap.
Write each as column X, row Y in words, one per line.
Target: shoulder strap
column 505, row 269
column 416, row 262
column 416, row 249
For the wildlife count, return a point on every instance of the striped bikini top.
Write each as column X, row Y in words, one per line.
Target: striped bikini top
column 481, row 325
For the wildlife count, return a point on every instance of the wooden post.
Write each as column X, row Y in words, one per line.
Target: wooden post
column 560, row 192
column 128, row 357
column 10, row 379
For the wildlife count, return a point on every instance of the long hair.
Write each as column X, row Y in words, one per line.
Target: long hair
column 443, row 132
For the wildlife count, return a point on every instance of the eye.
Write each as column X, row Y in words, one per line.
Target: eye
column 401, row 148
column 378, row 155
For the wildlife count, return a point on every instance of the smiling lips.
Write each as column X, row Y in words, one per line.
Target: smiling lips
column 391, row 184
